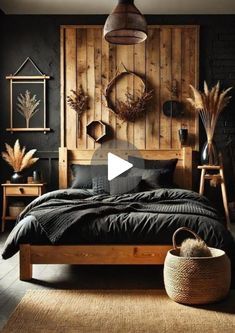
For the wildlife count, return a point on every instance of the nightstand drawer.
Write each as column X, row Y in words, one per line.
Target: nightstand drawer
column 22, row 190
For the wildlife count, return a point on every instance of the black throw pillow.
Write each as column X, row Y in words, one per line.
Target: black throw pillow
column 167, row 165
column 151, row 178
column 83, row 174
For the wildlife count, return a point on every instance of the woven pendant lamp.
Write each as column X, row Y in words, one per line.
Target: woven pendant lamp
column 125, row 25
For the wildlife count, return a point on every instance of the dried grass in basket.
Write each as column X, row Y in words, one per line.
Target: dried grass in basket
column 196, row 280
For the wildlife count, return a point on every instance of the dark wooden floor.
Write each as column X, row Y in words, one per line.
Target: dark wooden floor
column 70, row 277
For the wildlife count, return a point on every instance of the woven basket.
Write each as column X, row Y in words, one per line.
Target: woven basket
column 196, row 280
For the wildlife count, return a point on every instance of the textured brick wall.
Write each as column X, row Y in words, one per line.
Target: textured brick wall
column 222, row 67
column 217, row 61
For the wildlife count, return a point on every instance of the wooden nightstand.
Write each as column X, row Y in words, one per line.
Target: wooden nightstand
column 19, row 190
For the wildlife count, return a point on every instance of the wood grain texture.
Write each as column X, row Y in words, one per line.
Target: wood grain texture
column 82, row 81
column 90, row 82
column 98, row 74
column 176, row 38
column 112, row 73
column 25, row 263
column 139, row 127
column 99, row 254
column 169, row 57
column 89, row 255
column 71, row 82
column 166, row 81
column 153, row 114
column 63, row 168
column 105, row 78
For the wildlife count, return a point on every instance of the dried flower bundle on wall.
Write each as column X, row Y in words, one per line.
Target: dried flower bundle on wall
column 17, row 158
column 78, row 101
column 27, row 106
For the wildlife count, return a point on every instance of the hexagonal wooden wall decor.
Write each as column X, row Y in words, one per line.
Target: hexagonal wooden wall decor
column 96, row 130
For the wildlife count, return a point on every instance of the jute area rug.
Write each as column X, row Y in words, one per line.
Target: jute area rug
column 116, row 311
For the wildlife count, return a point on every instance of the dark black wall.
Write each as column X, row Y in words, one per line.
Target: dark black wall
column 38, row 37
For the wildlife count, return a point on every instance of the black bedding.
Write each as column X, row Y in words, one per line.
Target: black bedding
column 79, row 217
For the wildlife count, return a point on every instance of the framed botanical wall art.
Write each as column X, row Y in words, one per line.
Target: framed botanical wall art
column 28, row 100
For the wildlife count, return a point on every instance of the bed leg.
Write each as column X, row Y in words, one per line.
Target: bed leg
column 25, row 263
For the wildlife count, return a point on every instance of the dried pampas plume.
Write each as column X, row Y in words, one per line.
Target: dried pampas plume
column 17, row 158
column 209, row 105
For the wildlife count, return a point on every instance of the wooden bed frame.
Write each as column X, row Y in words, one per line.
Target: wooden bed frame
column 80, row 45
column 103, row 254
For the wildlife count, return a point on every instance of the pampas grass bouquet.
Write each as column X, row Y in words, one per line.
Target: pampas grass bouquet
column 18, row 158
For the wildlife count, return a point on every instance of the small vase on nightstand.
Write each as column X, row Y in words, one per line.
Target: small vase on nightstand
column 17, row 178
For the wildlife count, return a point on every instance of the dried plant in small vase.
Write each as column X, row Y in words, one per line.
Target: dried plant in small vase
column 27, row 106
column 19, row 160
column 133, row 108
column 209, row 105
column 78, row 101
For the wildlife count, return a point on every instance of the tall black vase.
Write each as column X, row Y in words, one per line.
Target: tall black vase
column 17, row 178
column 209, row 154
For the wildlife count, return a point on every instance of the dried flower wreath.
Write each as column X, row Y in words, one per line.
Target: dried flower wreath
column 134, row 107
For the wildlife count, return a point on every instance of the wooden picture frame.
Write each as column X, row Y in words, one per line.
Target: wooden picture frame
column 37, row 83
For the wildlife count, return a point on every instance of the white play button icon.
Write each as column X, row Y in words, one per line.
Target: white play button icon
column 116, row 166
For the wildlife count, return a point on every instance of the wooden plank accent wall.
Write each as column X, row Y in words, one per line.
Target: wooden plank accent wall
column 168, row 57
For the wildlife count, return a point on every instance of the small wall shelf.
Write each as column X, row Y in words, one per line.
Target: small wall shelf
column 96, row 130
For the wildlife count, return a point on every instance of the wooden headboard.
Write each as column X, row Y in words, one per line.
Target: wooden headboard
column 183, row 172
column 168, row 61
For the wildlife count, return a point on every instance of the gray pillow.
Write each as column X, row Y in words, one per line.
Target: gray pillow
column 100, row 185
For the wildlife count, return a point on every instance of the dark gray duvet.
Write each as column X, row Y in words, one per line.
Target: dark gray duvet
column 78, row 217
